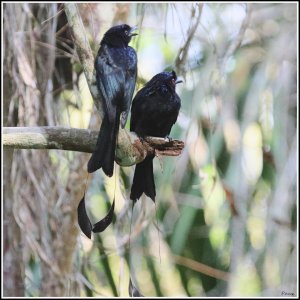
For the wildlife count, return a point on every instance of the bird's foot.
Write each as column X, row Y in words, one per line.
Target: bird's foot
column 142, row 139
column 168, row 138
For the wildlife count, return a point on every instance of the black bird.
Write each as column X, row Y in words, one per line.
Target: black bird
column 116, row 71
column 154, row 110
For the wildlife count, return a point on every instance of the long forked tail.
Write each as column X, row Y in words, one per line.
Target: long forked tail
column 104, row 154
column 143, row 180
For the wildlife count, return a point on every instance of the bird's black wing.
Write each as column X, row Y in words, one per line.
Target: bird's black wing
column 143, row 104
column 176, row 109
column 129, row 84
column 110, row 81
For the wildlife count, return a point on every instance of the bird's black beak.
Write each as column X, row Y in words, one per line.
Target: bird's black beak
column 131, row 32
column 178, row 81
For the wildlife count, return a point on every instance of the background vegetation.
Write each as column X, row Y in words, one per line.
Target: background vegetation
column 225, row 220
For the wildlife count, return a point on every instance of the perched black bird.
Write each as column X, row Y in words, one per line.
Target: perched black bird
column 116, row 71
column 154, row 110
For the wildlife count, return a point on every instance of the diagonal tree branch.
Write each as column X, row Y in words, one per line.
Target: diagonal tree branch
column 183, row 51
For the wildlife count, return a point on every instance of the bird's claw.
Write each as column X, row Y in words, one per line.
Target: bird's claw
column 168, row 138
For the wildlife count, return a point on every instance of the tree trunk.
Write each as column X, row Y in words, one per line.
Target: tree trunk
column 13, row 270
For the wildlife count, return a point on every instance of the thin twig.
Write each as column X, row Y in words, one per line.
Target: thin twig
column 55, row 16
column 200, row 267
column 183, row 51
column 236, row 43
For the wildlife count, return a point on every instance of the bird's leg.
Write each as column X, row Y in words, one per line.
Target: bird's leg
column 142, row 138
column 168, row 138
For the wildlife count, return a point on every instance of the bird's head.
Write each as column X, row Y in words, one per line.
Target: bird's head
column 165, row 78
column 119, row 35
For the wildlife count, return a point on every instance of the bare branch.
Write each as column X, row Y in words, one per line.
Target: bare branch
column 183, row 51
column 236, row 43
column 201, row 268
column 84, row 140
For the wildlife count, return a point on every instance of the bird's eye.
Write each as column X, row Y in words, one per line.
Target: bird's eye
column 126, row 32
column 173, row 81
